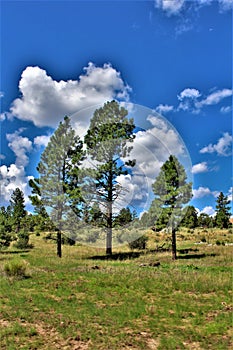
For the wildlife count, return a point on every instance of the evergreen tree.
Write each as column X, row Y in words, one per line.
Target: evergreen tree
column 190, row 219
column 107, row 143
column 222, row 211
column 204, row 220
column 17, row 208
column 57, row 185
column 124, row 217
column 171, row 193
column 6, row 235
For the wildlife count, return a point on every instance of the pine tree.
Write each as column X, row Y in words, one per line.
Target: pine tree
column 107, row 141
column 222, row 211
column 17, row 204
column 190, row 219
column 171, row 193
column 6, row 236
column 58, row 168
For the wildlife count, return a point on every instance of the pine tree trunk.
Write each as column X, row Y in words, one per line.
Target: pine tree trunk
column 109, row 241
column 59, row 244
column 109, row 218
column 174, row 243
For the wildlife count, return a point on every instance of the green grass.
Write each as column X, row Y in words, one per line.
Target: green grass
column 68, row 303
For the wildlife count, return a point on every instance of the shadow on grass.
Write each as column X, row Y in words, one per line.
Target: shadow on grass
column 187, row 250
column 117, row 256
column 196, row 256
column 14, row 251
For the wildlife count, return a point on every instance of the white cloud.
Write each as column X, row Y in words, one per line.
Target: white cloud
column 170, row 7
column 1, row 94
column 14, row 175
column 188, row 99
column 222, row 147
column 208, row 210
column 230, row 194
column 162, row 109
column 189, row 93
column 200, row 168
column 2, row 117
column 226, row 109
column 201, row 192
column 2, row 156
column 225, row 5
column 215, row 97
column 10, row 178
column 41, row 140
column 20, row 146
column 45, row 101
column 174, row 7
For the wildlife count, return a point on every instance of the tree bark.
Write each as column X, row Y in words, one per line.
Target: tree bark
column 109, row 230
column 59, row 244
column 174, row 243
column 109, row 218
column 109, row 241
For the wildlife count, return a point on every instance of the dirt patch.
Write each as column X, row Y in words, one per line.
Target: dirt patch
column 48, row 336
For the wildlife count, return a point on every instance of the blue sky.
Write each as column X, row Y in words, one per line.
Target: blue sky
column 173, row 57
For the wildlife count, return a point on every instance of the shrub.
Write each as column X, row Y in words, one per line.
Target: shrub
column 22, row 241
column 15, row 268
column 218, row 242
column 139, row 243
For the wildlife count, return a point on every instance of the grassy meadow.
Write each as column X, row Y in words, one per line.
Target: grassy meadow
column 88, row 301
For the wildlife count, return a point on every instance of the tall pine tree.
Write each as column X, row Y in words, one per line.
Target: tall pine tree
column 171, row 192
column 222, row 211
column 107, row 141
column 17, row 204
column 58, row 168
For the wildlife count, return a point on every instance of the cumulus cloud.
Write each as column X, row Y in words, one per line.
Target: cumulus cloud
column 188, row 99
column 163, row 109
column 189, row 93
column 170, row 7
column 222, row 147
column 41, row 140
column 174, row 7
column 45, row 101
column 201, row 192
column 208, row 210
column 21, row 146
column 200, row 168
column 10, row 178
column 14, row 176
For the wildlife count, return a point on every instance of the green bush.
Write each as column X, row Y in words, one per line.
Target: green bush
column 139, row 243
column 15, row 268
column 22, row 241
